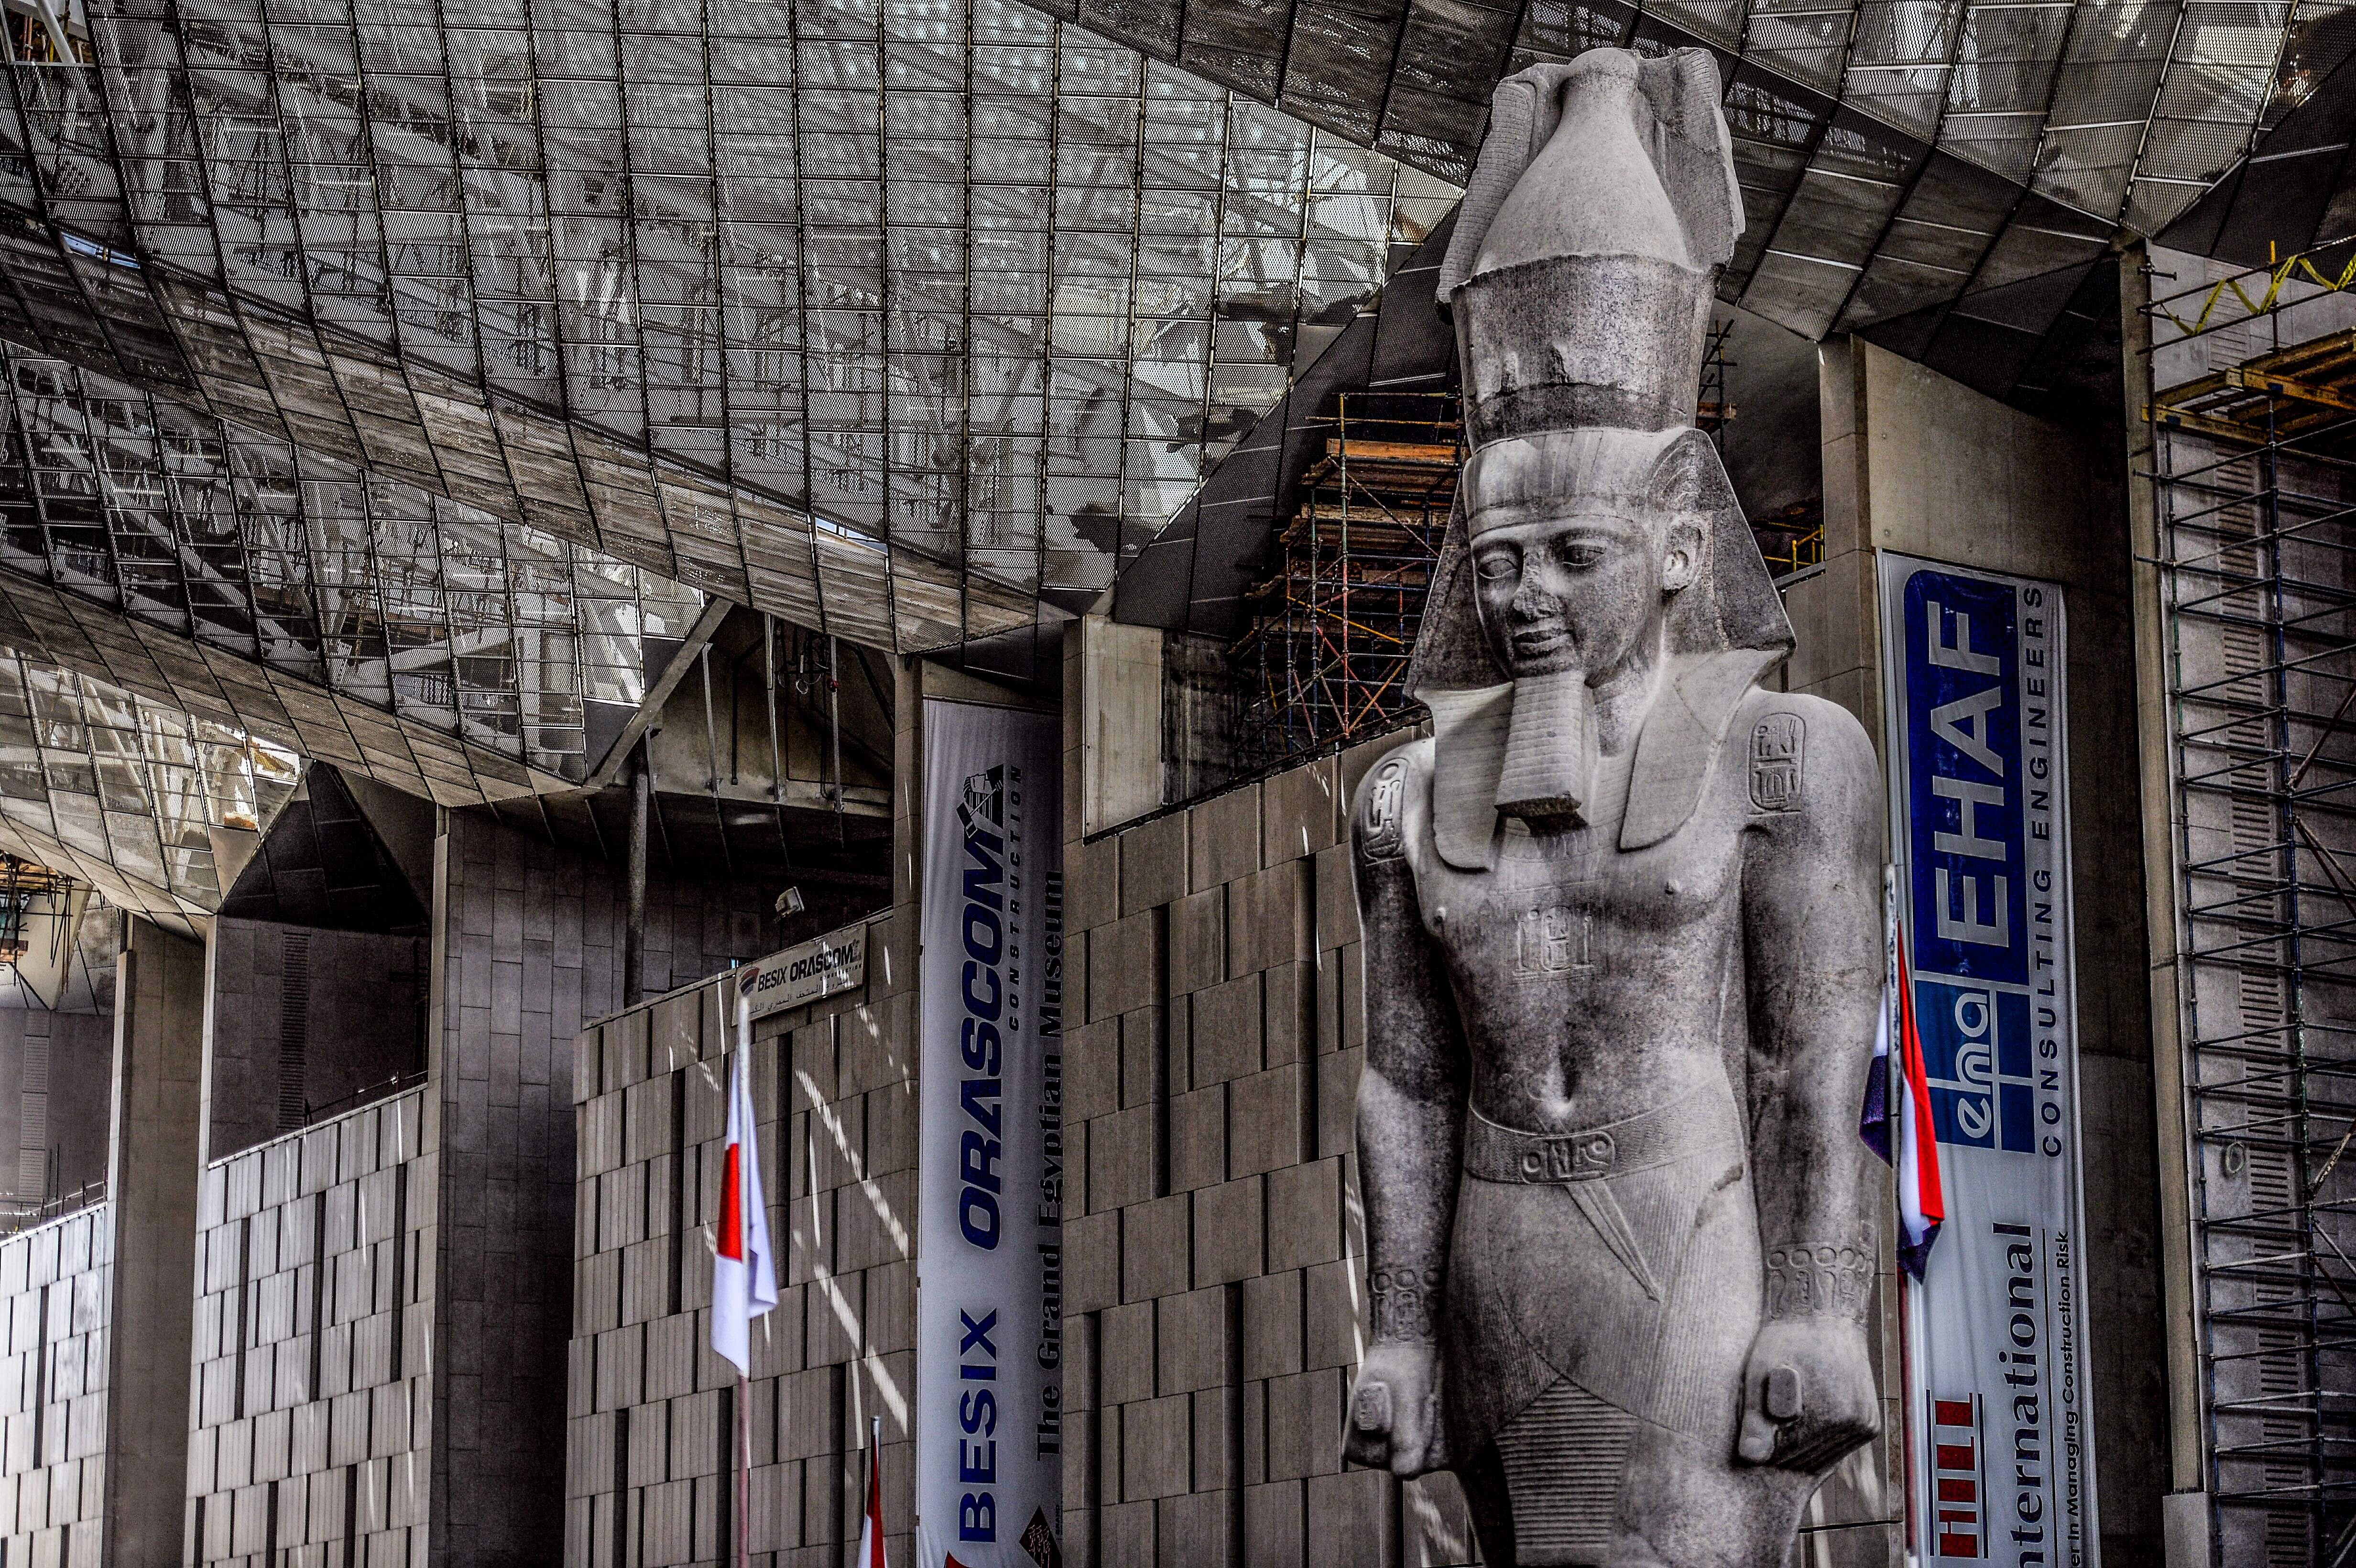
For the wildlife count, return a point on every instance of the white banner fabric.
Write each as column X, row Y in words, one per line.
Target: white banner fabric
column 990, row 1181
column 2000, row 1450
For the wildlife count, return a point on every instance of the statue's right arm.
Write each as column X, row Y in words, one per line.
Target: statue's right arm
column 1411, row 1101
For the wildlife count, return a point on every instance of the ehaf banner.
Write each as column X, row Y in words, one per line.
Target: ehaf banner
column 2000, row 1456
column 990, row 1262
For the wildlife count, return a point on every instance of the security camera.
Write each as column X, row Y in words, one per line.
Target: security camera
column 790, row 901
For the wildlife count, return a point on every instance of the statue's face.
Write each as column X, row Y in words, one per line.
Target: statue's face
column 1583, row 591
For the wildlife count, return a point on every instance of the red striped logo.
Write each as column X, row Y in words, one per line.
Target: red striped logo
column 1956, row 1488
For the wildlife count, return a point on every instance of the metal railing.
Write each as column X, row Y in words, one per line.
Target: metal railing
column 385, row 1089
column 16, row 1216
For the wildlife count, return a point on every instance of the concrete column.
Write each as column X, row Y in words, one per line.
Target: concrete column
column 152, row 1180
column 1120, row 719
column 2185, row 1516
column 634, row 922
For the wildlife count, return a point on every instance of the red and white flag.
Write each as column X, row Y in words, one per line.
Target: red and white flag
column 744, row 1272
column 871, row 1527
column 1900, row 1083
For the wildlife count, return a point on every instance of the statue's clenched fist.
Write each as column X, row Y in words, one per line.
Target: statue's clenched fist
column 1807, row 1392
column 1395, row 1410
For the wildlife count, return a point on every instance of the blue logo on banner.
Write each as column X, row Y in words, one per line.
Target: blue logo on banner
column 1976, row 1051
column 1964, row 779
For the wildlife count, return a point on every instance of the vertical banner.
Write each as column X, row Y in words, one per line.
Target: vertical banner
column 2001, row 1452
column 990, row 1177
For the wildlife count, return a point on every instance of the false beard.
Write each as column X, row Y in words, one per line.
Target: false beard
column 1551, row 750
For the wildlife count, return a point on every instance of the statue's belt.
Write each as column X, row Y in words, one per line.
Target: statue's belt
column 1692, row 1124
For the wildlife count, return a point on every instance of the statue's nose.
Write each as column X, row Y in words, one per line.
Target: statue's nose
column 1533, row 600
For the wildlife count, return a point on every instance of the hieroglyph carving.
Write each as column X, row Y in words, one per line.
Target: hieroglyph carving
column 1622, row 911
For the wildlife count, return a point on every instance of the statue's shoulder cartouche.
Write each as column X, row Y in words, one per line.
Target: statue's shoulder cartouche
column 1392, row 801
column 1804, row 762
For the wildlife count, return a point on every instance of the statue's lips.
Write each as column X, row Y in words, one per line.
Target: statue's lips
column 1540, row 640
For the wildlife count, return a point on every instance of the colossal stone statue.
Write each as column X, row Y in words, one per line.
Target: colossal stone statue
column 1622, row 911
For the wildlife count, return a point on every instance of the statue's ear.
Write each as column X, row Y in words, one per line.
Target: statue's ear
column 1684, row 553
column 1730, row 602
column 1682, row 490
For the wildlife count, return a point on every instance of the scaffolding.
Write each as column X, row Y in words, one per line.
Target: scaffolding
column 1711, row 410
column 2253, row 464
column 22, row 885
column 1792, row 540
column 1325, row 659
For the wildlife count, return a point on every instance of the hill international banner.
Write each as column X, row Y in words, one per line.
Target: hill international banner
column 2000, row 1453
column 990, row 1177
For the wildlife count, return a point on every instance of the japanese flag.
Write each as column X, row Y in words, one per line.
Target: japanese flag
column 743, row 1273
column 871, row 1527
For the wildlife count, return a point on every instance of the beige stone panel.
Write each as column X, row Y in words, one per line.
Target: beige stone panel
column 1224, row 836
column 1198, row 941
column 1199, row 1139
column 1228, row 1241
column 1274, row 1516
column 1157, row 1447
column 1154, row 1250
column 1198, row 1530
column 1271, row 1326
column 1265, row 1122
column 1125, row 1361
column 1153, row 863
column 1120, row 698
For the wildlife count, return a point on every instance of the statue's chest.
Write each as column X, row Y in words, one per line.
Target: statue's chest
column 1567, row 909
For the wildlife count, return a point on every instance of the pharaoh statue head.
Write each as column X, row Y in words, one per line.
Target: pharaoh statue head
column 1596, row 541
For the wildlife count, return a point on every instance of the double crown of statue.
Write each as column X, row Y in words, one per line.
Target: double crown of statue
column 1580, row 276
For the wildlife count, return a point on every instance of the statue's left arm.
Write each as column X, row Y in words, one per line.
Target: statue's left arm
column 1813, row 962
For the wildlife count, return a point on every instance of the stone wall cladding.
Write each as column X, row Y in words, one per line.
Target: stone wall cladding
column 364, row 1009
column 54, row 1293
column 531, row 948
column 1215, row 1286
column 56, row 1073
column 313, row 1342
column 650, row 1404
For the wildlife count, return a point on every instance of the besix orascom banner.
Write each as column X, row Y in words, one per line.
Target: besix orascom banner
column 2000, row 1456
column 990, row 1306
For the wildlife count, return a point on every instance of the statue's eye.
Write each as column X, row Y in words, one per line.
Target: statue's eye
column 1579, row 554
column 1496, row 565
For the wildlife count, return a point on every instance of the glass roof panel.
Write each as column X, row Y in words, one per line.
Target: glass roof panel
column 124, row 794
column 2048, row 95
column 378, row 592
column 618, row 269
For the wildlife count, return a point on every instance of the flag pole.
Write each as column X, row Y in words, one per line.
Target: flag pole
column 744, row 1379
column 743, row 1471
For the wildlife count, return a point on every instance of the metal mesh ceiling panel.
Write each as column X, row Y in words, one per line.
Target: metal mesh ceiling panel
column 1896, row 154
column 980, row 292
column 525, row 648
column 126, row 795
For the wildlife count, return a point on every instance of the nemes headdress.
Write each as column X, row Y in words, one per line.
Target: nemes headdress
column 1579, row 277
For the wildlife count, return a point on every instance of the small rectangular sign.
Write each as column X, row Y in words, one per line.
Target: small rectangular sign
column 807, row 971
column 2001, row 1456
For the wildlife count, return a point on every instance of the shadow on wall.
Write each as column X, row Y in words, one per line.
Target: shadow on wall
column 305, row 1022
